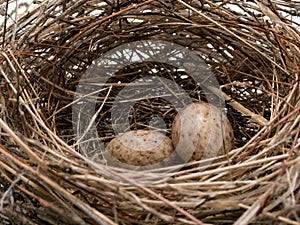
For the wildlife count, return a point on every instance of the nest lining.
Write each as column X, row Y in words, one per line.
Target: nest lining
column 253, row 53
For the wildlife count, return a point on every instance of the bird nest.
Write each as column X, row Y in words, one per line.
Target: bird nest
column 51, row 174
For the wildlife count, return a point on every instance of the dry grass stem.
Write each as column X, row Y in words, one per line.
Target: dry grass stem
column 49, row 174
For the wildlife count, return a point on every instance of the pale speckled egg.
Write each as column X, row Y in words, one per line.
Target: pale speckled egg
column 140, row 148
column 201, row 131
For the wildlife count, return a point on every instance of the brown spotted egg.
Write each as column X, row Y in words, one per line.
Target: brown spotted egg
column 139, row 148
column 201, row 131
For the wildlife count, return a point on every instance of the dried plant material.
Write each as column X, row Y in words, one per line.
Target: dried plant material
column 251, row 48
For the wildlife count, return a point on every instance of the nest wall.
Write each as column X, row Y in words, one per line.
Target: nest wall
column 253, row 50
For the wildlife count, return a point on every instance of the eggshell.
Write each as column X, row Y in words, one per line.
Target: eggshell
column 201, row 131
column 140, row 148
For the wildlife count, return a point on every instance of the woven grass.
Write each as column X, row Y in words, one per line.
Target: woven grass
column 253, row 50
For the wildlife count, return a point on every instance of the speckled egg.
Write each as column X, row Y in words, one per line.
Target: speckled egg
column 201, row 131
column 140, row 147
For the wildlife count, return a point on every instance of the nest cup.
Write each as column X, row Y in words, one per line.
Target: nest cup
column 252, row 50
